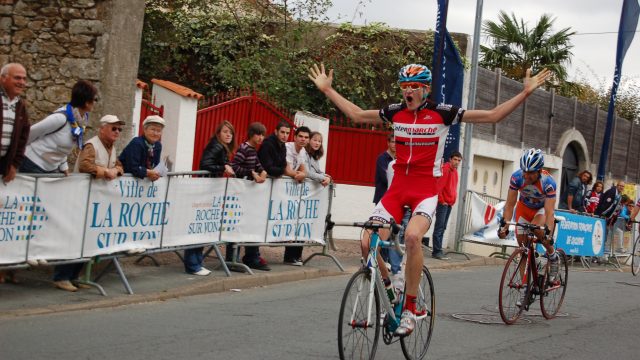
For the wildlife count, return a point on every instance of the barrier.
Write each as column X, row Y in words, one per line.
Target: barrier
column 76, row 218
column 482, row 223
column 578, row 234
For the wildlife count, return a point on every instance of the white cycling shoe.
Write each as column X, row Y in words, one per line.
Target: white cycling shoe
column 407, row 323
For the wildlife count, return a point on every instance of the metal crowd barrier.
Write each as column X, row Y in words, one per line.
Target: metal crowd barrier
column 114, row 257
column 491, row 200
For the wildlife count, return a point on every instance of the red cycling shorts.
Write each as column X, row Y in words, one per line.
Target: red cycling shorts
column 420, row 193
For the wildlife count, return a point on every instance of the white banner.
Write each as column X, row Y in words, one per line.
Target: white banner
column 126, row 213
column 63, row 215
column 283, row 210
column 245, row 211
column 485, row 219
column 76, row 216
column 195, row 214
column 16, row 202
column 312, row 212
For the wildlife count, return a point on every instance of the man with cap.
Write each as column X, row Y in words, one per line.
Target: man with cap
column 142, row 154
column 98, row 157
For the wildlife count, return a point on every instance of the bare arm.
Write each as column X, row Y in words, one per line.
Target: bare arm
column 353, row 111
column 549, row 210
column 512, row 197
column 501, row 111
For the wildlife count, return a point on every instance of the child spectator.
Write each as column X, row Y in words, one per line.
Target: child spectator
column 246, row 165
column 593, row 198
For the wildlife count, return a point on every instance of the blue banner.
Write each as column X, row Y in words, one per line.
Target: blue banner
column 626, row 31
column 580, row 235
column 448, row 75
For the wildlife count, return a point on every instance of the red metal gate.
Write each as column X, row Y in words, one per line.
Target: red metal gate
column 242, row 110
column 352, row 151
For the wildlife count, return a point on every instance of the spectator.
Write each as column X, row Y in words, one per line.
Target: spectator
column 273, row 153
column 593, row 198
column 577, row 192
column 14, row 129
column 52, row 139
column 609, row 200
column 141, row 156
column 98, row 158
column 607, row 207
column 447, row 197
column 50, row 143
column 382, row 165
column 246, row 165
column 315, row 151
column 619, row 222
column 296, row 158
column 215, row 159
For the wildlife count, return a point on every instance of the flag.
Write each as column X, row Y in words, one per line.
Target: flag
column 448, row 75
column 626, row 31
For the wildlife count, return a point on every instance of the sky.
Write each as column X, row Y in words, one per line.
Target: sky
column 594, row 53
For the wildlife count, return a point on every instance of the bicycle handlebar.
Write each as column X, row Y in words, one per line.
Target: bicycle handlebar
column 526, row 226
column 395, row 229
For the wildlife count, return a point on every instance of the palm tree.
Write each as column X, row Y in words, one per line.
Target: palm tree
column 517, row 48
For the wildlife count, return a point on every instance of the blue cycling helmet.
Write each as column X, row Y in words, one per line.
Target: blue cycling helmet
column 415, row 73
column 532, row 160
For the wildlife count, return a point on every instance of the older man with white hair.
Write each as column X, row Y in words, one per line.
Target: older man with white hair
column 14, row 121
column 14, row 128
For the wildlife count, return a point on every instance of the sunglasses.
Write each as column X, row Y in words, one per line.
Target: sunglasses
column 411, row 86
column 116, row 128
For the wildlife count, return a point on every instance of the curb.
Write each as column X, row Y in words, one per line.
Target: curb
column 223, row 284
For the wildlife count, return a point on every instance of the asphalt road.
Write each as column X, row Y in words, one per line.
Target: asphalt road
column 298, row 321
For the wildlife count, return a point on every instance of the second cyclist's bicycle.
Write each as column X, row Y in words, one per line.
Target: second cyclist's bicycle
column 366, row 310
column 526, row 275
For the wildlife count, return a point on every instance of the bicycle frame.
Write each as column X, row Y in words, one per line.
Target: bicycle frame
column 372, row 264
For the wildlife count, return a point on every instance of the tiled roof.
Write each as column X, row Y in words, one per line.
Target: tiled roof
column 178, row 89
column 141, row 84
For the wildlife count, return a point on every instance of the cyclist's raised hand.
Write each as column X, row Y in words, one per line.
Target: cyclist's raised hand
column 532, row 83
column 320, row 77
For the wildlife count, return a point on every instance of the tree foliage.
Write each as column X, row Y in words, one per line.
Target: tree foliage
column 516, row 47
column 220, row 45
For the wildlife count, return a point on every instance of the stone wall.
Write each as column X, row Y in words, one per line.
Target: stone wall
column 61, row 41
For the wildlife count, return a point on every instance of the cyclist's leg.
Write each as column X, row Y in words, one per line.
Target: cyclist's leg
column 386, row 210
column 419, row 224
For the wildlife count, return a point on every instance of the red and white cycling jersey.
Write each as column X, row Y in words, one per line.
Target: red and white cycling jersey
column 420, row 136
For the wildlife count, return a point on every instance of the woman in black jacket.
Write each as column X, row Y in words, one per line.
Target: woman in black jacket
column 215, row 159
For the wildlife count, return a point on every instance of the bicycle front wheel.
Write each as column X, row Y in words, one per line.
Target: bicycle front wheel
column 359, row 320
column 415, row 346
column 554, row 289
column 512, row 287
column 635, row 257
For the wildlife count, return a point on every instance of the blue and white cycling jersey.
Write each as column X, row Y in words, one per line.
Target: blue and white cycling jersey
column 534, row 195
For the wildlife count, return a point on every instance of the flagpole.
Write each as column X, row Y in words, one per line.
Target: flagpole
column 468, row 128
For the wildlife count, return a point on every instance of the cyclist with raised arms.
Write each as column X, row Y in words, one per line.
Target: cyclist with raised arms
column 535, row 205
column 420, row 127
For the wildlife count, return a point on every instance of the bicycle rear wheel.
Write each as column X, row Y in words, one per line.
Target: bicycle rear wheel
column 635, row 257
column 359, row 329
column 554, row 289
column 512, row 287
column 415, row 346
